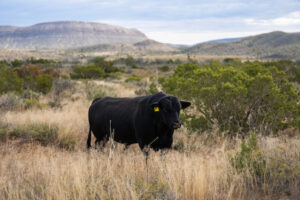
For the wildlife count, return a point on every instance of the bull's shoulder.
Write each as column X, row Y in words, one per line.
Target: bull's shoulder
column 95, row 100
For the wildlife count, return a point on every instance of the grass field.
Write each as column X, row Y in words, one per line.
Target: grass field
column 198, row 168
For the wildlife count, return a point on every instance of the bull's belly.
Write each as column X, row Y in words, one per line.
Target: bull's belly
column 124, row 136
column 124, row 139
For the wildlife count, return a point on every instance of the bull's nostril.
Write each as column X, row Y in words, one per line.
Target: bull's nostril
column 176, row 125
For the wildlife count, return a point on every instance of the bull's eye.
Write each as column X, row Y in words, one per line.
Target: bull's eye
column 167, row 110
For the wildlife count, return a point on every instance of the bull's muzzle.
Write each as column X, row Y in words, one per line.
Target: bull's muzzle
column 176, row 125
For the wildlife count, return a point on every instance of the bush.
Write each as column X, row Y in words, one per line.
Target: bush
column 44, row 83
column 164, row 68
column 16, row 63
column 237, row 98
column 32, row 103
column 51, row 71
column 9, row 81
column 10, row 101
column 61, row 89
column 133, row 79
column 94, row 91
column 106, row 66
column 282, row 171
column 129, row 61
column 44, row 133
column 87, row 72
column 298, row 123
column 250, row 158
column 199, row 124
column 153, row 88
column 142, row 89
column 35, row 79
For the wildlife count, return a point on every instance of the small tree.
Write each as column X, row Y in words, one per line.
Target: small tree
column 107, row 66
column 44, row 83
column 9, row 80
column 85, row 72
column 238, row 98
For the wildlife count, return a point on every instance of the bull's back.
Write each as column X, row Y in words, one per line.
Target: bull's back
column 115, row 115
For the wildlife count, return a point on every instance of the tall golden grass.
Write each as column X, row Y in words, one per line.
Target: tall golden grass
column 200, row 169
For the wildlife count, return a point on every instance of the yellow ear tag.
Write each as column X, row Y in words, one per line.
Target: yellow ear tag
column 156, row 109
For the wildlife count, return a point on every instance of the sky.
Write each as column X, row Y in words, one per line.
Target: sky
column 168, row 21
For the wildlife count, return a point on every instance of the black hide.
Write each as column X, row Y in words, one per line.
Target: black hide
column 144, row 120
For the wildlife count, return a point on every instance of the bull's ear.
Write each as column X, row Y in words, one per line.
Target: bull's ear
column 185, row 104
column 155, row 107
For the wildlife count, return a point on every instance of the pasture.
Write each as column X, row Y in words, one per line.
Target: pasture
column 43, row 156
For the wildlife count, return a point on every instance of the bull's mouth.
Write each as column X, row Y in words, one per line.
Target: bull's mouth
column 176, row 126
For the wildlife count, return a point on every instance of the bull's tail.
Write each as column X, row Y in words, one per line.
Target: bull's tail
column 88, row 142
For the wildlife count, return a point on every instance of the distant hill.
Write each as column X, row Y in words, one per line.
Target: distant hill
column 65, row 34
column 274, row 45
column 225, row 40
column 146, row 46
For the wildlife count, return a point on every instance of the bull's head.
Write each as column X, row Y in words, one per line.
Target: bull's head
column 168, row 107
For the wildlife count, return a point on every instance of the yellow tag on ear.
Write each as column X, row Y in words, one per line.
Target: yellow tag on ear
column 156, row 109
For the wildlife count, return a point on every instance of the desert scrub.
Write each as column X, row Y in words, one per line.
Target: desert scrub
column 87, row 72
column 62, row 89
column 94, row 91
column 164, row 68
column 283, row 170
column 133, row 79
column 43, row 133
column 10, row 101
column 250, row 158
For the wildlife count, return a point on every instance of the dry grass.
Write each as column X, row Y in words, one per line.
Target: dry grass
column 199, row 170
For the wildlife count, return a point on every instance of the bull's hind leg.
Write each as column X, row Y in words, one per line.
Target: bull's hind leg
column 100, row 142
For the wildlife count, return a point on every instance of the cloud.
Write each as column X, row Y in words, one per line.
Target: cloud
column 287, row 20
column 181, row 21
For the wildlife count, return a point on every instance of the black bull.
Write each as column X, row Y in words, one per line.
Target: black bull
column 147, row 120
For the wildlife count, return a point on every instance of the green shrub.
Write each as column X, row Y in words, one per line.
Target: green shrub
column 44, row 83
column 44, row 133
column 16, row 63
column 106, row 66
column 164, row 68
column 133, row 79
column 10, row 81
column 199, row 124
column 153, row 88
column 87, row 72
column 298, row 123
column 129, row 61
column 32, row 103
column 36, row 79
column 249, row 158
column 238, row 98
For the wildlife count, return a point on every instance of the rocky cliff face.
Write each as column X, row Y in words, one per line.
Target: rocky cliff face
column 59, row 35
